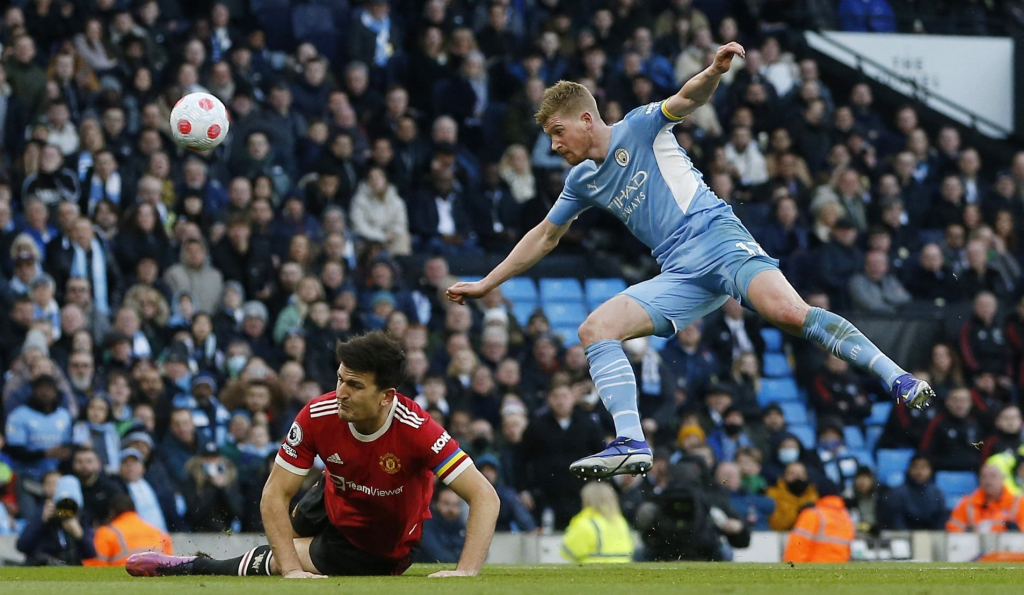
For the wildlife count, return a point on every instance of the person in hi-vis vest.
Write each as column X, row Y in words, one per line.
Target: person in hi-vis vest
column 598, row 534
column 126, row 534
column 822, row 533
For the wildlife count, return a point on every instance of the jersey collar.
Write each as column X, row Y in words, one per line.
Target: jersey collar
column 384, row 428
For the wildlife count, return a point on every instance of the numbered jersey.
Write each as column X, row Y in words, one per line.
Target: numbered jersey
column 378, row 486
column 647, row 181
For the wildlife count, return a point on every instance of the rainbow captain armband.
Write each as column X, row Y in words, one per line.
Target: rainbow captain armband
column 453, row 466
column 664, row 112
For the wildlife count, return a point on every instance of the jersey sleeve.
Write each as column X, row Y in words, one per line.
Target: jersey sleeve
column 569, row 205
column 444, row 456
column 297, row 451
column 17, row 430
column 650, row 119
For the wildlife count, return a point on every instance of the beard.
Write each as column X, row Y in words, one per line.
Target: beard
column 80, row 382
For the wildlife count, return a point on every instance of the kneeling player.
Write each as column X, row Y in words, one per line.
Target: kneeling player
column 365, row 515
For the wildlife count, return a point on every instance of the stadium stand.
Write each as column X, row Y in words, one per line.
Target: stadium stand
column 188, row 302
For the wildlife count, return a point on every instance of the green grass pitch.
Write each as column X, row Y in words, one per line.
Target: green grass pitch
column 632, row 579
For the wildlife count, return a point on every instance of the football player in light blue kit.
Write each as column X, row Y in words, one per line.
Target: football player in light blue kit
column 636, row 171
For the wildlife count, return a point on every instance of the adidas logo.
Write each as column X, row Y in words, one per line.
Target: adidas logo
column 334, row 458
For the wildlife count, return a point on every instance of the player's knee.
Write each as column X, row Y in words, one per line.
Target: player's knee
column 789, row 317
column 593, row 330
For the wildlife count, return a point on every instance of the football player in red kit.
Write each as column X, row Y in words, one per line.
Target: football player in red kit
column 381, row 454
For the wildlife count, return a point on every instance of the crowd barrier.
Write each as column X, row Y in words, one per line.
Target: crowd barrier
column 765, row 547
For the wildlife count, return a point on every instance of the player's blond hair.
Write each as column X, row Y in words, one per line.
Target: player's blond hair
column 567, row 98
column 601, row 497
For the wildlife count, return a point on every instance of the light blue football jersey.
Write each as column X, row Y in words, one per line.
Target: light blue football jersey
column 647, row 181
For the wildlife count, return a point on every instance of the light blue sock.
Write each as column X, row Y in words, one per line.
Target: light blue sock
column 846, row 342
column 616, row 384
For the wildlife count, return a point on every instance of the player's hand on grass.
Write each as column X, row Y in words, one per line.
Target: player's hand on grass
column 725, row 54
column 299, row 573
column 462, row 291
column 451, row 573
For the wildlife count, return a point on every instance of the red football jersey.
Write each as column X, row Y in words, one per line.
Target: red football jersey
column 379, row 486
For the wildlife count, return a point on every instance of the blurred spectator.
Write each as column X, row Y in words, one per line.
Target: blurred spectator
column 732, row 333
column 745, row 384
column 728, row 439
column 979, row 276
column 745, row 156
column 146, row 501
column 838, row 391
column 38, row 439
column 598, row 533
column 98, row 433
column 865, row 505
column 982, row 343
column 933, row 278
column 749, row 462
column 379, row 214
column 195, row 274
column 655, row 379
column 753, row 506
column 876, row 290
column 440, row 218
column 950, row 438
column 556, row 437
column 822, row 533
column 211, row 490
column 179, row 445
column 513, row 515
column 790, row 494
column 838, row 462
column 98, row 488
column 917, row 504
column 538, row 368
column 906, row 427
column 717, row 401
column 689, row 360
column 1006, row 437
column 839, row 260
column 86, row 257
column 445, row 532
column 55, row 534
column 992, row 508
column 126, row 533
column 945, row 370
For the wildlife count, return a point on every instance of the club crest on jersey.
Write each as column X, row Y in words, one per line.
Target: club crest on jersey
column 622, row 157
column 390, row 464
column 294, row 436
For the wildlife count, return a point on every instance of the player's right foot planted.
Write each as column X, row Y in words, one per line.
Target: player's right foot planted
column 623, row 456
column 911, row 391
column 157, row 564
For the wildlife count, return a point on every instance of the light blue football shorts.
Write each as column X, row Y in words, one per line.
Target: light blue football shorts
column 697, row 279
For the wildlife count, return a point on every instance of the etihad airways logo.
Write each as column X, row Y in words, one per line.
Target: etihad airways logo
column 631, row 197
column 342, row 485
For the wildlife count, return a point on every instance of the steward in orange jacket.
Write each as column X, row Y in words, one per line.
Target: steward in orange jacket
column 125, row 535
column 989, row 508
column 822, row 533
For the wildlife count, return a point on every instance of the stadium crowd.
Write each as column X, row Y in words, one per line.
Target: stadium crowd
column 166, row 313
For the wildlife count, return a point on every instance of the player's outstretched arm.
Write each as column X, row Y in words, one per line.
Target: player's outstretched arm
column 483, row 502
column 535, row 245
column 281, row 487
column 698, row 90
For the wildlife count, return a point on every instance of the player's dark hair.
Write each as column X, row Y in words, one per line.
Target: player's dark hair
column 377, row 353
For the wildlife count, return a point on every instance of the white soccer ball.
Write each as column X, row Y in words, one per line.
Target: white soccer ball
column 199, row 121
